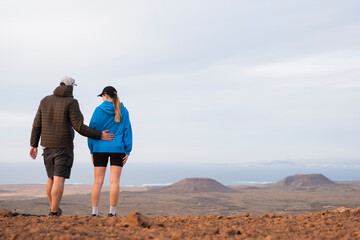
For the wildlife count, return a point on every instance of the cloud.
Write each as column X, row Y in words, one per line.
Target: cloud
column 240, row 80
column 70, row 35
column 15, row 120
column 330, row 70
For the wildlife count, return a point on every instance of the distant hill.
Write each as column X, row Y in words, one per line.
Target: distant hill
column 193, row 185
column 305, row 180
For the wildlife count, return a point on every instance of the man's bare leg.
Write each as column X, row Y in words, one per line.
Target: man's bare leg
column 57, row 192
column 49, row 185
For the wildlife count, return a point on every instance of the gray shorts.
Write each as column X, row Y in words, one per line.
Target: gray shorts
column 58, row 162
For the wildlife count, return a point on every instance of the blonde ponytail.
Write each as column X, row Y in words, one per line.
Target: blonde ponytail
column 117, row 107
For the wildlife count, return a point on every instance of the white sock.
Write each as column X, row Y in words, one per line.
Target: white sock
column 95, row 210
column 112, row 210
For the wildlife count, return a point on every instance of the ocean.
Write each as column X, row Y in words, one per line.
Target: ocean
column 157, row 174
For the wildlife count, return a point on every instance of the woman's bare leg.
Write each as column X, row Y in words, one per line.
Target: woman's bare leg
column 115, row 173
column 99, row 174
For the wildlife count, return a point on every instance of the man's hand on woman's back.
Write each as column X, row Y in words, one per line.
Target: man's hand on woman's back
column 107, row 136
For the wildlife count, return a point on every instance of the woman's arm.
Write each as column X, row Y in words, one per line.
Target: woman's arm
column 93, row 126
column 127, row 134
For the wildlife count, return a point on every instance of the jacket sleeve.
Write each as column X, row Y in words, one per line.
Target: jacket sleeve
column 93, row 126
column 36, row 129
column 77, row 122
column 127, row 134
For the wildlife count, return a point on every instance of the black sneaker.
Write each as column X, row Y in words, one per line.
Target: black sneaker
column 59, row 211
column 56, row 214
column 111, row 215
column 94, row 215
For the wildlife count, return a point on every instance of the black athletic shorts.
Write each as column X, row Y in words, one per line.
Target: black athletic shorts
column 101, row 159
column 58, row 161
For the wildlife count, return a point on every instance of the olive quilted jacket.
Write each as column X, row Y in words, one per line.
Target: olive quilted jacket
column 57, row 116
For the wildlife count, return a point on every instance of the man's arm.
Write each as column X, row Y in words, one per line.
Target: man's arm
column 35, row 134
column 36, row 129
column 77, row 122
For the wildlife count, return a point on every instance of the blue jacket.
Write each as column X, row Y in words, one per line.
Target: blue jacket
column 102, row 119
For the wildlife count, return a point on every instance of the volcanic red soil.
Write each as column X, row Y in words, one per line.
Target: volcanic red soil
column 298, row 207
column 342, row 223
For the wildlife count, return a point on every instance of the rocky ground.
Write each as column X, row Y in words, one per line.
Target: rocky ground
column 342, row 223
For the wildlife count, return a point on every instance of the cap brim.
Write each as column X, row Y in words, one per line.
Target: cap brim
column 100, row 95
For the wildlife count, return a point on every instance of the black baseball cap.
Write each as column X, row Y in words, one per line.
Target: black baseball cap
column 109, row 90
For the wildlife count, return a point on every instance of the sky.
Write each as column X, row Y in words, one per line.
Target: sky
column 235, row 82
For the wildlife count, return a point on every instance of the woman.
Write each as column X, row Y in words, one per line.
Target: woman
column 112, row 115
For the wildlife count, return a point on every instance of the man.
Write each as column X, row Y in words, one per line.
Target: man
column 57, row 116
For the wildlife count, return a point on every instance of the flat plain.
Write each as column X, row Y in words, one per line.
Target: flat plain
column 254, row 199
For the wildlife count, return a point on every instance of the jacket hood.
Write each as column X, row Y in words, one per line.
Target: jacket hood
column 64, row 91
column 108, row 107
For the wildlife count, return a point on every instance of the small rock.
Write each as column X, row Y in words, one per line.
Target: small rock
column 137, row 219
column 269, row 237
column 231, row 232
column 272, row 215
column 343, row 209
column 216, row 231
column 5, row 213
column 177, row 235
column 234, row 231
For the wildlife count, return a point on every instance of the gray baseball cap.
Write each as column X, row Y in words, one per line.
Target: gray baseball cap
column 68, row 81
